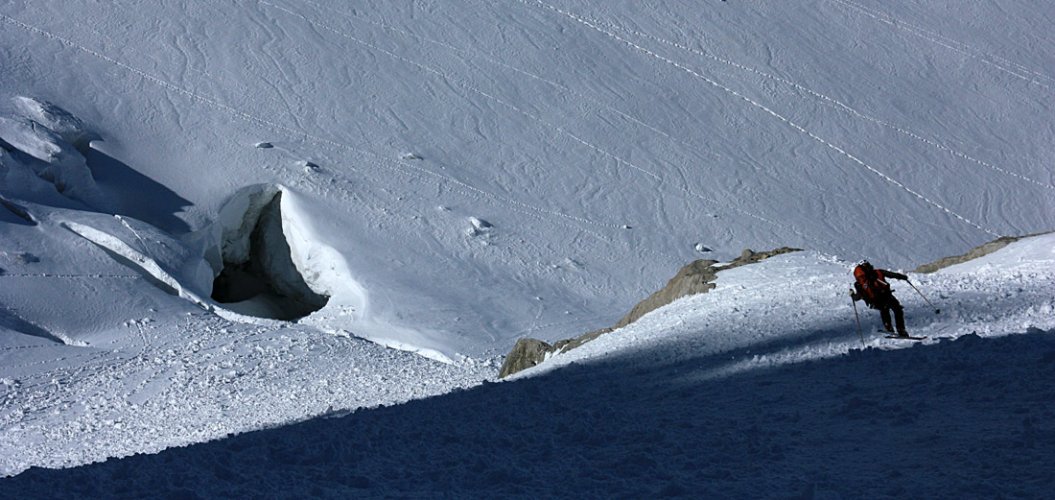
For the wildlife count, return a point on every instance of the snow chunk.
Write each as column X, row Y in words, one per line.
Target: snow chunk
column 58, row 161
column 18, row 210
column 37, row 141
column 478, row 226
column 56, row 119
column 20, row 257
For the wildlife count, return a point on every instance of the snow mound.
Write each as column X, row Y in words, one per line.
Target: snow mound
column 478, row 226
column 174, row 272
column 22, row 216
column 56, row 119
column 33, row 147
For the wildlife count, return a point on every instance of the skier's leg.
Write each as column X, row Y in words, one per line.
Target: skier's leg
column 884, row 314
column 899, row 316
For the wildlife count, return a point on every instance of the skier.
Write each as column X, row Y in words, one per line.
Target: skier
column 871, row 286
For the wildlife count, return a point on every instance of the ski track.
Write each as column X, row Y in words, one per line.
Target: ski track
column 660, row 181
column 472, row 52
column 400, row 166
column 449, row 78
column 560, row 130
column 395, row 165
column 833, row 102
column 69, row 276
column 1020, row 71
column 770, row 112
column 241, row 89
column 165, row 381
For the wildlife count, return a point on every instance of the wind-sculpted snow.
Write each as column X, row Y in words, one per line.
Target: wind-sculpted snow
column 191, row 376
column 615, row 135
column 958, row 418
column 457, row 175
column 47, row 155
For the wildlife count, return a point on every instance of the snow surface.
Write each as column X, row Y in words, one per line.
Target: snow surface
column 726, row 395
column 796, row 307
column 602, row 141
column 459, row 174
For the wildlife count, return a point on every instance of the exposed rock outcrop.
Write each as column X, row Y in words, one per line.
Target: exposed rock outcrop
column 526, row 353
column 695, row 278
column 974, row 253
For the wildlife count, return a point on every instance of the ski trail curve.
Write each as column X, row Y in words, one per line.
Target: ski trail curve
column 768, row 111
column 834, row 102
column 457, row 81
column 395, row 165
column 471, row 52
column 1009, row 67
column 661, row 181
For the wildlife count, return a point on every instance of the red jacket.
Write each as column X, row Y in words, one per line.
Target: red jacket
column 872, row 286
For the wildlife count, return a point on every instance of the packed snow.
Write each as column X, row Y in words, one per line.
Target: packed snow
column 796, row 307
column 220, row 217
column 614, row 134
column 728, row 394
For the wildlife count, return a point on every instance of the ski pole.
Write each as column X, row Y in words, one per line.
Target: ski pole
column 857, row 318
column 936, row 310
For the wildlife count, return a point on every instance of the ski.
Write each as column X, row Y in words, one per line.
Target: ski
column 903, row 337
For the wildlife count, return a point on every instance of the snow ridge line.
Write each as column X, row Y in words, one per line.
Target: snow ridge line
column 660, row 180
column 837, row 104
column 146, row 264
column 124, row 222
column 447, row 77
column 945, row 42
column 402, row 166
column 769, row 111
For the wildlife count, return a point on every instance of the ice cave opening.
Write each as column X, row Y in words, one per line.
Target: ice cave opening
column 258, row 277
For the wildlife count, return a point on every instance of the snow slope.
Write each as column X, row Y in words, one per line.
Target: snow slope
column 796, row 307
column 718, row 395
column 455, row 175
column 600, row 141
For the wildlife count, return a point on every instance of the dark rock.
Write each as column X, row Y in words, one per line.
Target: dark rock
column 525, row 354
column 974, row 253
column 695, row 278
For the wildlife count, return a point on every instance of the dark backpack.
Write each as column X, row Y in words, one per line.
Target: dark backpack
column 870, row 284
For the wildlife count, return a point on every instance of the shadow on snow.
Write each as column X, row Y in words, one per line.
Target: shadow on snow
column 137, row 195
column 971, row 417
